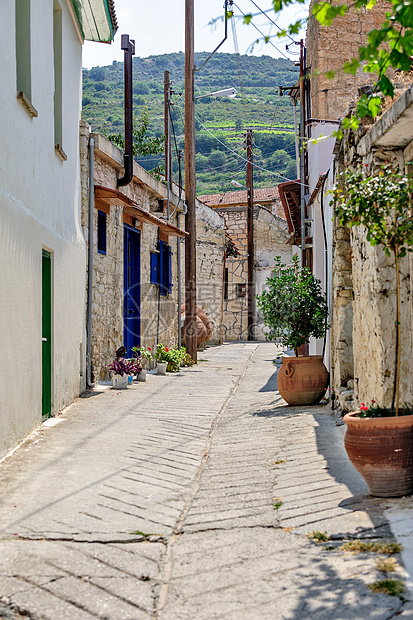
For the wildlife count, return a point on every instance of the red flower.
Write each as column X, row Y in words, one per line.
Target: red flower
column 149, row 349
column 373, row 401
column 363, row 407
column 166, row 349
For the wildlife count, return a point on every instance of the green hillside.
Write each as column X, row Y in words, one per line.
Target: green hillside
column 221, row 123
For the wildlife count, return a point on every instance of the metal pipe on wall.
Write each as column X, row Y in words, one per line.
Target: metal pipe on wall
column 128, row 46
column 90, row 264
column 178, row 258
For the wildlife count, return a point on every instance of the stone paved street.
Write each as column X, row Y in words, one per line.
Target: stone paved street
column 191, row 496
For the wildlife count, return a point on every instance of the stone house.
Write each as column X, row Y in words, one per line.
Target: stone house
column 352, row 272
column 369, row 275
column 270, row 236
column 42, row 253
column 137, row 256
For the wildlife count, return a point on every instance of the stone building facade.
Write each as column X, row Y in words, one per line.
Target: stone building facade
column 270, row 233
column 328, row 48
column 334, row 252
column 368, row 275
column 210, row 256
column 138, row 207
column 140, row 210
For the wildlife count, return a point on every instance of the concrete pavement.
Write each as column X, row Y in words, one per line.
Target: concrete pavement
column 192, row 496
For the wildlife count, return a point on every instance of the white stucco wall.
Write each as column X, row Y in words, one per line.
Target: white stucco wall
column 40, row 208
column 320, row 159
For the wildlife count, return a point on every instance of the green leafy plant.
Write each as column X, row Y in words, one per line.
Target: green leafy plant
column 143, row 144
column 294, row 306
column 363, row 546
column 143, row 354
column 124, row 367
column 387, row 565
column 161, row 353
column 373, row 410
column 318, row 536
column 382, row 203
column 174, row 358
column 393, row 587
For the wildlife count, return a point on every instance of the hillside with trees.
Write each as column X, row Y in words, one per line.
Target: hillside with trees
column 220, row 122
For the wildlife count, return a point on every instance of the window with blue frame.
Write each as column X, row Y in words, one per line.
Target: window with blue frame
column 161, row 268
column 101, row 232
column 154, row 268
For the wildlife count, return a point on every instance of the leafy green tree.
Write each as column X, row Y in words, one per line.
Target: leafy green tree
column 142, row 143
column 97, row 74
column 294, row 306
column 216, row 158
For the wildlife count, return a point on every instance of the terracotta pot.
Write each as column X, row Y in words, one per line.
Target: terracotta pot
column 302, row 380
column 381, row 449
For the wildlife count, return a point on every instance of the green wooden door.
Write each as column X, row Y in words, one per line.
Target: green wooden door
column 46, row 334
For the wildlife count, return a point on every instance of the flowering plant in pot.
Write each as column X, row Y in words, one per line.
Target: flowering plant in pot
column 176, row 358
column 144, row 358
column 379, row 440
column 122, row 369
column 294, row 309
column 143, row 354
column 161, row 357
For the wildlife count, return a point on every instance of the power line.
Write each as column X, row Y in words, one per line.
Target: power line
column 272, row 21
column 262, row 34
column 277, row 174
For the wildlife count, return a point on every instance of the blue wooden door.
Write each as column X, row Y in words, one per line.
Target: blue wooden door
column 132, row 289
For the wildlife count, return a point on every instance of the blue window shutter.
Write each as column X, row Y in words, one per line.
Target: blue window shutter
column 169, row 269
column 101, row 236
column 154, row 268
column 162, row 270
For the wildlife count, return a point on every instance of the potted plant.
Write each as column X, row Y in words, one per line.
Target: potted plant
column 175, row 359
column 161, row 357
column 122, row 369
column 144, row 356
column 294, row 309
column 379, row 440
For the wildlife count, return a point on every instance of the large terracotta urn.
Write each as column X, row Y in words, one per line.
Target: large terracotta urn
column 381, row 449
column 302, row 380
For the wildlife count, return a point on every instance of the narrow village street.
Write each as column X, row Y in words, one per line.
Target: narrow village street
column 192, row 496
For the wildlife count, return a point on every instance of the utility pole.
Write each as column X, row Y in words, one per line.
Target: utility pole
column 190, row 186
column 167, row 128
column 250, row 236
column 302, row 167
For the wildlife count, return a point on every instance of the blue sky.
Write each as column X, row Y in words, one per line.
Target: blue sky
column 158, row 28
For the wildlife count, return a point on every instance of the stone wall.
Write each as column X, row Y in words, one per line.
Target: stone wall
column 270, row 237
column 159, row 315
column 270, row 240
column 373, row 273
column 327, row 50
column 210, row 249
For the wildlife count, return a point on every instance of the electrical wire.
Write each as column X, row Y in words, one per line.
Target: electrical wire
column 277, row 174
column 272, row 21
column 262, row 34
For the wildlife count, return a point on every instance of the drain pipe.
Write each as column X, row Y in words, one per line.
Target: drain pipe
column 90, row 265
column 128, row 47
column 178, row 258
